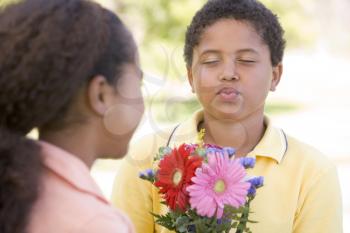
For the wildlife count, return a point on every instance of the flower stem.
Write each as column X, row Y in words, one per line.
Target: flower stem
column 243, row 222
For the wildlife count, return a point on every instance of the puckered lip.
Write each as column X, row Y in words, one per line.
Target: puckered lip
column 227, row 90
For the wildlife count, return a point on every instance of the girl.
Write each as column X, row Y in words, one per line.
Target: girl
column 70, row 69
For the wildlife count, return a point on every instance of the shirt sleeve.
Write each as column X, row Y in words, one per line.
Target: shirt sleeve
column 321, row 211
column 132, row 194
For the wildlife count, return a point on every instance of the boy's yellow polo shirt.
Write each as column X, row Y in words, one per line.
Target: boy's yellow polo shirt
column 301, row 193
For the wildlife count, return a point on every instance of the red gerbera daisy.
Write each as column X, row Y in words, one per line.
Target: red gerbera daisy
column 174, row 175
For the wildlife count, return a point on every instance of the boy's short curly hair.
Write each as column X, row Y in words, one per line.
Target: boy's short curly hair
column 255, row 13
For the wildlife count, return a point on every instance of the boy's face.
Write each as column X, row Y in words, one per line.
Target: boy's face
column 231, row 71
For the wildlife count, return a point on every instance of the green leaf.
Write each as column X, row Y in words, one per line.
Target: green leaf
column 201, row 152
column 182, row 220
column 164, row 151
column 165, row 220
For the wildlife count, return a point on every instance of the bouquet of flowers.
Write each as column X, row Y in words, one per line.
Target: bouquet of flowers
column 205, row 188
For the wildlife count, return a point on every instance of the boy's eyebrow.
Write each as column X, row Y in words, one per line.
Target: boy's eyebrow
column 248, row 50
column 245, row 50
column 209, row 51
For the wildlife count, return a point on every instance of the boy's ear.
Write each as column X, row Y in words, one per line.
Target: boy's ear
column 276, row 76
column 99, row 95
column 190, row 78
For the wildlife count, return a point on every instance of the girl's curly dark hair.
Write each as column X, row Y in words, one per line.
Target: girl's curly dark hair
column 252, row 11
column 49, row 50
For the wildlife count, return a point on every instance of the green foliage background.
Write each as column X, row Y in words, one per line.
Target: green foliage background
column 160, row 25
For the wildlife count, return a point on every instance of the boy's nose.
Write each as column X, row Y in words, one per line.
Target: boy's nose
column 229, row 72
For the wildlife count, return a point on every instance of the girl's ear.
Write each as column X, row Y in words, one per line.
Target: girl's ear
column 99, row 95
column 276, row 76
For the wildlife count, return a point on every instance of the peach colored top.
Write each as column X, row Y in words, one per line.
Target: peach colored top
column 70, row 201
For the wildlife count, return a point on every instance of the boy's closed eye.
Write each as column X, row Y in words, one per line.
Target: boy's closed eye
column 210, row 62
column 246, row 61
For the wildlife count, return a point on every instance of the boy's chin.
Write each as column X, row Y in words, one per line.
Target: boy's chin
column 226, row 114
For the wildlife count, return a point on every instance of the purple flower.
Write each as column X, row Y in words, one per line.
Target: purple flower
column 147, row 174
column 247, row 162
column 213, row 150
column 251, row 191
column 142, row 175
column 257, row 182
column 150, row 172
column 191, row 228
column 230, row 151
column 223, row 220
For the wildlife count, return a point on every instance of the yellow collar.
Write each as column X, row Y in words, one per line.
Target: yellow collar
column 273, row 144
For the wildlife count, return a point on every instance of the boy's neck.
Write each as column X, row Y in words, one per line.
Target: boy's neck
column 243, row 135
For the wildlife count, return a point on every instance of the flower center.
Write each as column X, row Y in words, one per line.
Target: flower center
column 219, row 186
column 177, row 177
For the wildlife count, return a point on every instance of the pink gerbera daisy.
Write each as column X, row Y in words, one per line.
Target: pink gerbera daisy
column 216, row 184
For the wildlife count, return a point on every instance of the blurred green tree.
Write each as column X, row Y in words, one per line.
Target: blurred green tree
column 4, row 3
column 160, row 25
column 164, row 20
